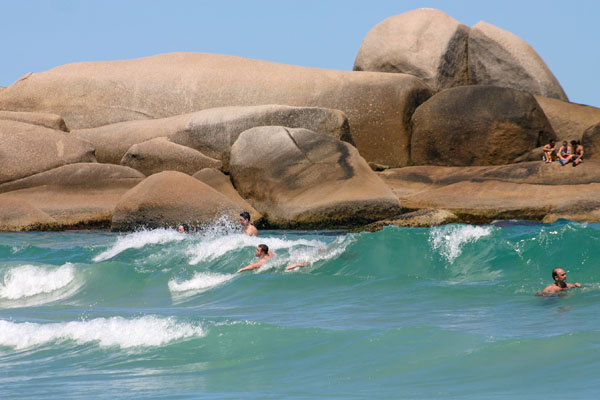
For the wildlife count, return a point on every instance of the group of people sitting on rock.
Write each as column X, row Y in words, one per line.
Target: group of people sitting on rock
column 565, row 154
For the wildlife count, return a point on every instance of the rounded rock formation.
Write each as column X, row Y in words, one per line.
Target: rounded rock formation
column 86, row 95
column 477, row 125
column 211, row 131
column 426, row 43
column 300, row 178
column 160, row 154
column 16, row 215
column 591, row 142
column 568, row 120
column 169, row 198
column 75, row 195
column 46, row 120
column 500, row 58
column 221, row 183
column 27, row 149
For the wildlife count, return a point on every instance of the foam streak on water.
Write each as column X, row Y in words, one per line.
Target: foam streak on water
column 200, row 282
column 138, row 240
column 212, row 248
column 115, row 331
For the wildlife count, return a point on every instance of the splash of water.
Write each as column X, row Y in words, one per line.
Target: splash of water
column 30, row 280
column 137, row 240
column 449, row 240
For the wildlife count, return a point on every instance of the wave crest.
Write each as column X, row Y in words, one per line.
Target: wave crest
column 449, row 240
column 148, row 331
column 137, row 240
column 29, row 280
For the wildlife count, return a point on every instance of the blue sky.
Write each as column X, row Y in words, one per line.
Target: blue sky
column 39, row 35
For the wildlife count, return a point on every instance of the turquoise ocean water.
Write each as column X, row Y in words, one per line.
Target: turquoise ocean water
column 448, row 312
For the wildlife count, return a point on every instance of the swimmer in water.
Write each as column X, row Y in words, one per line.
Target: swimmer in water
column 247, row 227
column 560, row 283
column 263, row 253
column 183, row 228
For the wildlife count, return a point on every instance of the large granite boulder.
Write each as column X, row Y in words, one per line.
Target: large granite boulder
column 528, row 190
column 160, row 154
column 221, row 183
column 51, row 121
column 591, row 142
column 378, row 105
column 212, row 131
column 568, row 120
column 500, row 58
column 27, row 149
column 16, row 215
column 477, row 125
column 75, row 195
column 169, row 198
column 426, row 43
column 300, row 178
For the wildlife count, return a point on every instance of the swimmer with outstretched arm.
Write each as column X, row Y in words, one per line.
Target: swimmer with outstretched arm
column 263, row 253
column 560, row 283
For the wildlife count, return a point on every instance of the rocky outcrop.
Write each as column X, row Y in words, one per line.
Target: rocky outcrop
column 51, row 121
column 160, row 154
column 483, row 202
column 415, row 179
column 426, row 43
column 378, row 105
column 500, row 58
column 591, row 142
column 417, row 219
column 169, row 198
column 578, row 210
column 569, row 120
column 477, row 125
column 299, row 178
column 529, row 190
column 211, row 131
column 16, row 215
column 74, row 195
column 27, row 149
column 214, row 131
column 222, row 184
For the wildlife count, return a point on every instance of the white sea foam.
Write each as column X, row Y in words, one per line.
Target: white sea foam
column 137, row 240
column 311, row 254
column 201, row 281
column 29, row 280
column 211, row 248
column 449, row 240
column 148, row 331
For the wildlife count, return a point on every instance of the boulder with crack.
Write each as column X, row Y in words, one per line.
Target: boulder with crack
column 300, row 178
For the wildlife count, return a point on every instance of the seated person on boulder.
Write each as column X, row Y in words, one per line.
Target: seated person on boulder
column 549, row 151
column 577, row 156
column 564, row 153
